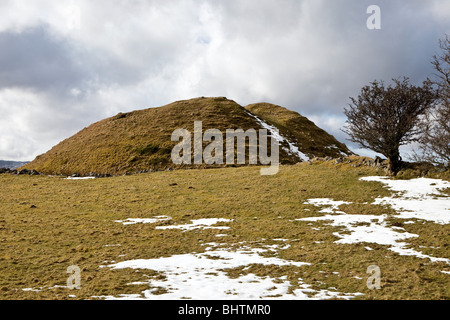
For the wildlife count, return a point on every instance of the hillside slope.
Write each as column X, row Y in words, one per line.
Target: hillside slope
column 141, row 140
column 309, row 138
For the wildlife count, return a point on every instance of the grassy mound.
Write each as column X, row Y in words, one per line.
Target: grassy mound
column 141, row 140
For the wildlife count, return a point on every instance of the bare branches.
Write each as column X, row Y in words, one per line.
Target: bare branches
column 435, row 142
column 384, row 118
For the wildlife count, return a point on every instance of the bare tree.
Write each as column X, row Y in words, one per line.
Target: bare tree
column 434, row 144
column 384, row 118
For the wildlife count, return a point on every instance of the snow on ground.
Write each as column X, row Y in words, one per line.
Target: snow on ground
column 198, row 224
column 32, row 289
column 327, row 203
column 413, row 199
column 80, row 178
column 375, row 232
column 150, row 220
column 195, row 224
column 203, row 276
column 419, row 187
column 417, row 198
column 273, row 131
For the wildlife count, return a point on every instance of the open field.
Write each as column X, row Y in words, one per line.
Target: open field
column 258, row 244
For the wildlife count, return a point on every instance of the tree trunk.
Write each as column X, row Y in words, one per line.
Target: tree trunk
column 395, row 163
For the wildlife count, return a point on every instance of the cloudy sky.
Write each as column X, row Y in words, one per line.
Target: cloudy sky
column 65, row 64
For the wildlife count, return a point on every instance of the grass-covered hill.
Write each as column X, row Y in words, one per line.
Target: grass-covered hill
column 141, row 140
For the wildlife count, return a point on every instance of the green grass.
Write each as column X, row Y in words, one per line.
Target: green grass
column 49, row 223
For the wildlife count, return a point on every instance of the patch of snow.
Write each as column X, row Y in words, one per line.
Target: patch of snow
column 203, row 276
column 375, row 233
column 417, row 198
column 334, row 205
column 58, row 286
column 151, row 220
column 412, row 188
column 333, row 146
column 80, row 178
column 433, row 210
column 198, row 224
column 411, row 252
column 32, row 290
column 344, row 220
column 293, row 149
column 375, row 230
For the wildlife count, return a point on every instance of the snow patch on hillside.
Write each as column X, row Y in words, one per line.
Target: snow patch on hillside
column 293, row 149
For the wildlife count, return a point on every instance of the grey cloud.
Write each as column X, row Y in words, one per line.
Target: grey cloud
column 339, row 56
column 37, row 59
column 308, row 55
column 34, row 59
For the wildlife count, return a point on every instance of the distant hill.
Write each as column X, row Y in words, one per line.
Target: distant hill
column 12, row 164
column 141, row 140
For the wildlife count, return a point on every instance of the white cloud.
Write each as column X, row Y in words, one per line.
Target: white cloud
column 20, row 134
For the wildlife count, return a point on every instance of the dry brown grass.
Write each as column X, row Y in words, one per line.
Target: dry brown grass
column 141, row 140
column 311, row 140
column 50, row 223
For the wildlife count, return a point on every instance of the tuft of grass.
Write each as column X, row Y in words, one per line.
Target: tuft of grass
column 150, row 149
